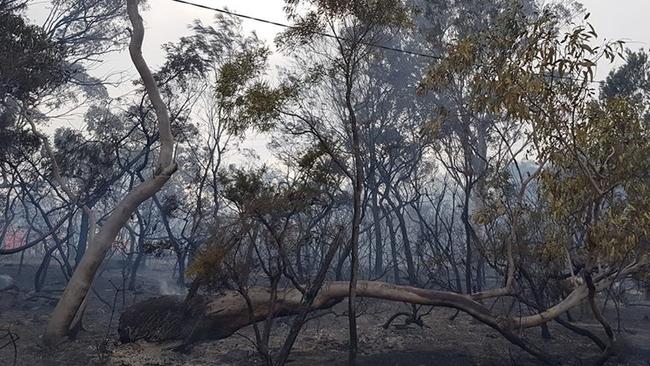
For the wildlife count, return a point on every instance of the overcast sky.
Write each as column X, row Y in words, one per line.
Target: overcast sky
column 620, row 19
column 166, row 21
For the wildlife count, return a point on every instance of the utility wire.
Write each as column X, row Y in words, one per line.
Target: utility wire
column 323, row 34
column 332, row 36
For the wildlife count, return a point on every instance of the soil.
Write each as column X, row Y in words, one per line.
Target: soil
column 322, row 342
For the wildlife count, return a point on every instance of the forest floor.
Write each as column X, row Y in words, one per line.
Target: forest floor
column 323, row 341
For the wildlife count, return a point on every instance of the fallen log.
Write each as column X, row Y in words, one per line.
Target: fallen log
column 171, row 318
column 219, row 315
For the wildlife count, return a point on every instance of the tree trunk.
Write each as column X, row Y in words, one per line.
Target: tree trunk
column 468, row 243
column 180, row 257
column 20, row 264
column 406, row 243
column 343, row 255
column 171, row 318
column 308, row 302
column 134, row 270
column 379, row 244
column 83, row 237
column 477, row 199
column 356, row 215
column 393, row 247
column 83, row 276
column 219, row 316
column 41, row 272
column 81, row 281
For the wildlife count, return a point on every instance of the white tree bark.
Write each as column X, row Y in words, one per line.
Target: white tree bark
column 77, row 289
column 218, row 316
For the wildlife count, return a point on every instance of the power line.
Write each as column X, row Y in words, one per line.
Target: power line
column 333, row 36
column 324, row 34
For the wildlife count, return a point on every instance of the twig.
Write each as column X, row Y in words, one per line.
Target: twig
column 13, row 337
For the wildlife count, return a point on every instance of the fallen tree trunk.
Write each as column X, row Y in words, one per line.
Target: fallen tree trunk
column 218, row 316
column 171, row 318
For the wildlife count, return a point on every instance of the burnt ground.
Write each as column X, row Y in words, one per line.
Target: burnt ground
column 323, row 341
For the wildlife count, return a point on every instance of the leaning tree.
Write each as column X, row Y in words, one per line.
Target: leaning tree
column 70, row 304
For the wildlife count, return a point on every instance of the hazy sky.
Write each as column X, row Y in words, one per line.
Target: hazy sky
column 166, row 21
column 620, row 19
